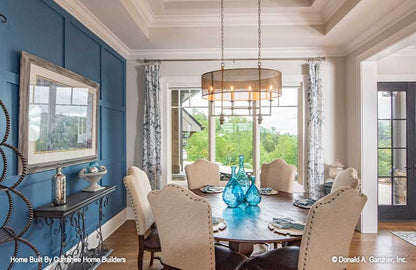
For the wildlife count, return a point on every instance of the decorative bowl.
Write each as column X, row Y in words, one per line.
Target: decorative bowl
column 92, row 179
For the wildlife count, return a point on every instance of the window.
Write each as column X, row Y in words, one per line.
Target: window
column 279, row 132
column 189, row 127
column 234, row 138
column 392, row 148
column 190, row 131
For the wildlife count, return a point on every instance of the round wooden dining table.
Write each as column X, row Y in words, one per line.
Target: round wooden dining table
column 248, row 225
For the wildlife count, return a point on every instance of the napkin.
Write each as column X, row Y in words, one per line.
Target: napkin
column 305, row 202
column 288, row 223
column 217, row 220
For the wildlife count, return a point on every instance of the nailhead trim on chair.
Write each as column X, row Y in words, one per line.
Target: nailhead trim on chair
column 310, row 227
column 211, row 243
column 138, row 228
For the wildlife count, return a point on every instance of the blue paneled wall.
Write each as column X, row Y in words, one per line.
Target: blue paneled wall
column 42, row 28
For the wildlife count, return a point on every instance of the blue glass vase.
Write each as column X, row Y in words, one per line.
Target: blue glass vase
column 253, row 196
column 233, row 194
column 242, row 177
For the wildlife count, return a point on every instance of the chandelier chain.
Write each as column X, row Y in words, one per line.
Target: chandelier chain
column 259, row 30
column 222, row 33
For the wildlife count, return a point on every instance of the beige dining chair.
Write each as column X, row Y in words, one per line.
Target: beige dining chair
column 201, row 173
column 184, row 221
column 138, row 186
column 328, row 232
column 346, row 178
column 278, row 175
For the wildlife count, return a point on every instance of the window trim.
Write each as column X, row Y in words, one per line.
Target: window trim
column 169, row 83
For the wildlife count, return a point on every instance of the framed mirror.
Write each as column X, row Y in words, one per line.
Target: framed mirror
column 58, row 120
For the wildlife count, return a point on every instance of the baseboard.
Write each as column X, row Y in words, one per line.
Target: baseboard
column 107, row 229
column 130, row 213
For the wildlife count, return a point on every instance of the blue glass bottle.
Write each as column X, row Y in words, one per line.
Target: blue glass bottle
column 253, row 196
column 233, row 194
column 242, row 177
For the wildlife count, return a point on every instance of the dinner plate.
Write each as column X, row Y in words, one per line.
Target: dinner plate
column 272, row 192
column 291, row 231
column 212, row 189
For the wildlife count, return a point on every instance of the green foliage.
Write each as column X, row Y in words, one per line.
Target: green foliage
column 235, row 138
column 384, row 155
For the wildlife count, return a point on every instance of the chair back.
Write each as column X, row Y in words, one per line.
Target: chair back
column 346, row 178
column 329, row 229
column 138, row 186
column 278, row 175
column 184, row 222
column 201, row 173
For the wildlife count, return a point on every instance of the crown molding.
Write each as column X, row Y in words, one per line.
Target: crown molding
column 286, row 52
column 136, row 12
column 271, row 19
column 89, row 20
column 330, row 8
column 393, row 17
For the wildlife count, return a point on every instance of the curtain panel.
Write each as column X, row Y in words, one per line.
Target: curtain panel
column 315, row 121
column 151, row 125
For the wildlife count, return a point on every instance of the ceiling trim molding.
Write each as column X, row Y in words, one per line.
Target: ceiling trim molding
column 89, row 20
column 142, row 19
column 271, row 19
column 330, row 9
column 287, row 52
column 393, row 17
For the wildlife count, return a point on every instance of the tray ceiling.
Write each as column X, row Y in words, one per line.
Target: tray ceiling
column 150, row 28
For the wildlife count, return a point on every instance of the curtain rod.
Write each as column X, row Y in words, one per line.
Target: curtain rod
column 233, row 59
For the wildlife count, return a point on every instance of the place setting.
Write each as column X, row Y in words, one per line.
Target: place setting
column 211, row 189
column 305, row 203
column 268, row 191
column 287, row 226
column 218, row 224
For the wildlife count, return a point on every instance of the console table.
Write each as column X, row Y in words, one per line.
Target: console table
column 73, row 212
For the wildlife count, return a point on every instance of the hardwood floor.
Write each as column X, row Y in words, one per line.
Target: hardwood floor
column 124, row 243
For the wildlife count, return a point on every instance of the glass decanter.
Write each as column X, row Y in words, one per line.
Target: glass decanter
column 233, row 194
column 242, row 177
column 253, row 196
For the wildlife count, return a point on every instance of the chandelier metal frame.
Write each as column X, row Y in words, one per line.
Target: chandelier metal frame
column 233, row 87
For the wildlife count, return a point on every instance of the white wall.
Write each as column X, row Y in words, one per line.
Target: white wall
column 333, row 94
column 397, row 68
column 362, row 113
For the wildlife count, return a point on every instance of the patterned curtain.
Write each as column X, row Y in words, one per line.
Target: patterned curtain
column 151, row 125
column 315, row 119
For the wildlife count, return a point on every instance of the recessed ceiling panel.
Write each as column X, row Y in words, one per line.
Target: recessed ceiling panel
column 215, row 4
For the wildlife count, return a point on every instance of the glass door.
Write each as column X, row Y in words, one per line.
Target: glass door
column 396, row 151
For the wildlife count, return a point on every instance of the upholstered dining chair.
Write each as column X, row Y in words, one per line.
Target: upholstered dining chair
column 138, row 186
column 201, row 173
column 346, row 178
column 278, row 175
column 184, row 221
column 328, row 232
